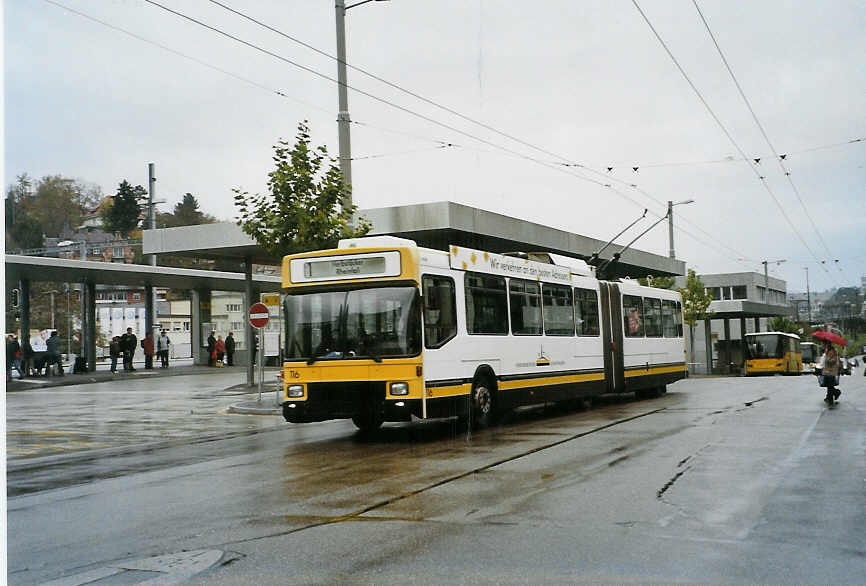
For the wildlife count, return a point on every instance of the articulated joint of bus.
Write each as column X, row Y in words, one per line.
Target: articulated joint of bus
column 391, row 390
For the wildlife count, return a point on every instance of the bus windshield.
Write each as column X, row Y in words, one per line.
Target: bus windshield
column 808, row 351
column 381, row 322
column 765, row 346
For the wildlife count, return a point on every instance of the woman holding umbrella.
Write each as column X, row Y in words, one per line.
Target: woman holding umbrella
column 830, row 364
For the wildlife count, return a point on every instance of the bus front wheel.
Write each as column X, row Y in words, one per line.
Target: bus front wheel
column 482, row 405
column 367, row 420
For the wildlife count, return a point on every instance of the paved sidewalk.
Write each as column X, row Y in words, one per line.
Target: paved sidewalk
column 98, row 376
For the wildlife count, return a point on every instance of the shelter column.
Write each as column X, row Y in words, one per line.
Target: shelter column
column 742, row 344
column 200, row 315
column 708, row 343
column 727, row 365
column 24, row 308
column 757, row 324
column 90, row 337
column 194, row 327
column 149, row 308
column 249, row 333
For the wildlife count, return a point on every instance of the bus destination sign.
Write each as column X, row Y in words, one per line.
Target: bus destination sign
column 345, row 267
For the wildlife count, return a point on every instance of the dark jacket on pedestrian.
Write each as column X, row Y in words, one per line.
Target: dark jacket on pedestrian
column 114, row 349
column 230, row 344
column 27, row 350
column 128, row 342
column 211, row 343
column 53, row 344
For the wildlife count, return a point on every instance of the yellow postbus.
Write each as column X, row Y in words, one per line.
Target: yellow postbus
column 810, row 354
column 773, row 353
column 380, row 329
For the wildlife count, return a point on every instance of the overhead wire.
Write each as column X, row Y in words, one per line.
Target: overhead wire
column 236, row 76
column 386, row 102
column 724, row 130
column 441, row 144
column 565, row 161
column 779, row 159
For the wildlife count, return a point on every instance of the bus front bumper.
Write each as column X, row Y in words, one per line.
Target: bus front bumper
column 311, row 411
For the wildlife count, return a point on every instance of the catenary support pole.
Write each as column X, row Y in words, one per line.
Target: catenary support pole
column 343, row 120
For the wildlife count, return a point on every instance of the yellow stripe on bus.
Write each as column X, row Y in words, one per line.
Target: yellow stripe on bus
column 644, row 371
column 550, row 380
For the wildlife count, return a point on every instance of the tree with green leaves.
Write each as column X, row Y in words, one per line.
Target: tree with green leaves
column 185, row 213
column 305, row 207
column 781, row 323
column 696, row 300
column 657, row 282
column 124, row 213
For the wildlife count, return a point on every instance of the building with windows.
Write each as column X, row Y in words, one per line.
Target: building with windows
column 742, row 303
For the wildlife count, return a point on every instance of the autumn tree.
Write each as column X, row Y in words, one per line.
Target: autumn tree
column 45, row 208
column 305, row 207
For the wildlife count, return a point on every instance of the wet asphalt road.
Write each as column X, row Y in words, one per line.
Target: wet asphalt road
column 723, row 480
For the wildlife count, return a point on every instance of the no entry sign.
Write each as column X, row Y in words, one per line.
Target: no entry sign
column 259, row 315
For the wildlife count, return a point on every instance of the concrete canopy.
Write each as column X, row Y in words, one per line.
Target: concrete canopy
column 34, row 268
column 432, row 225
column 737, row 308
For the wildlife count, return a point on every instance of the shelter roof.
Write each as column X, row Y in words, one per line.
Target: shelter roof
column 433, row 225
column 35, row 268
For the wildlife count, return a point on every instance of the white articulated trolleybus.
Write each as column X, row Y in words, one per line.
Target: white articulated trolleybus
column 380, row 329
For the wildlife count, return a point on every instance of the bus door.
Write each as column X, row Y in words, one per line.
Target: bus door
column 611, row 313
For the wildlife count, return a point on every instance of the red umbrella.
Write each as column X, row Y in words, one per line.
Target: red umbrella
column 830, row 337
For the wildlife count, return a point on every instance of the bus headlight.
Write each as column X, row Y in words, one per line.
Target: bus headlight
column 295, row 391
column 399, row 388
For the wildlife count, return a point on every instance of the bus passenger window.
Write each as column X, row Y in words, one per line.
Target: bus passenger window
column 525, row 307
column 678, row 319
column 669, row 325
column 632, row 316
column 652, row 311
column 486, row 304
column 586, row 310
column 440, row 317
column 558, row 310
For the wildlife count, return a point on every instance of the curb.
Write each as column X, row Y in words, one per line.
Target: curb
column 263, row 407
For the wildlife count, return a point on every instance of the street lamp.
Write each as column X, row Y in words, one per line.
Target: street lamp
column 343, row 120
column 671, row 205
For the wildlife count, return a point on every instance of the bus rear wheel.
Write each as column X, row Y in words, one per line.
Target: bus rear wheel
column 482, row 407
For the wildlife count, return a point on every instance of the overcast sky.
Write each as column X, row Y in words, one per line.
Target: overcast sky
column 586, row 81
